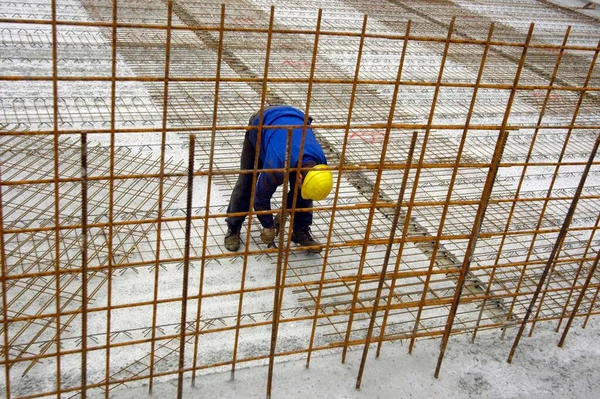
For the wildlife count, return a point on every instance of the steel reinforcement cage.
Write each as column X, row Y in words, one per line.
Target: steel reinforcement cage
column 465, row 185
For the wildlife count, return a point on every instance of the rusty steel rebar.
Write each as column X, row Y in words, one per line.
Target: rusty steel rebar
column 159, row 221
column 397, row 210
column 56, row 175
column 280, row 273
column 5, row 316
column 555, row 251
column 186, row 264
column 563, row 337
column 524, row 171
column 111, row 193
column 208, row 192
column 578, row 273
column 436, row 152
column 484, row 201
column 386, row 259
column 350, row 110
column 418, row 174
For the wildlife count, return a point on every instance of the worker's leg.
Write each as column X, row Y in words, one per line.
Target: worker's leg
column 240, row 196
column 301, row 234
column 302, row 219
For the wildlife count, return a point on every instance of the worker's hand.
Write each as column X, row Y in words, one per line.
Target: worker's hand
column 268, row 235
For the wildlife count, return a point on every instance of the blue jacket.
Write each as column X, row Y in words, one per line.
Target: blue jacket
column 273, row 151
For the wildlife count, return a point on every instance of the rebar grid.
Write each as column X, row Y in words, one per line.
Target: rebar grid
column 465, row 197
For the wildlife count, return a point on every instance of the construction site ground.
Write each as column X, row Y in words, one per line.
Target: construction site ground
column 327, row 299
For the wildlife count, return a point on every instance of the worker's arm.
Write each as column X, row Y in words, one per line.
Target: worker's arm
column 265, row 188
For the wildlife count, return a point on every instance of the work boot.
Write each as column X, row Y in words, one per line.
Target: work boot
column 302, row 237
column 232, row 239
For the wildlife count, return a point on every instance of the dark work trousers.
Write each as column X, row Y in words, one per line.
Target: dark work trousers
column 240, row 196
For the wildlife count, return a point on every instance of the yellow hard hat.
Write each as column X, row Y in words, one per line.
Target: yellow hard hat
column 317, row 184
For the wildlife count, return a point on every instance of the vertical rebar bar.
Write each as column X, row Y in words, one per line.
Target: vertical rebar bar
column 557, row 244
column 522, row 178
column 297, row 168
column 159, row 218
column 255, row 173
column 455, row 170
column 399, row 209
column 422, row 156
column 279, row 284
column 186, row 264
column 485, row 197
column 5, row 306
column 374, row 198
column 398, row 205
column 390, row 245
column 84, row 262
column 582, row 94
column 111, row 193
column 40, row 254
column 479, row 217
column 208, row 195
column 342, row 161
column 55, row 116
column 349, row 123
column 541, row 218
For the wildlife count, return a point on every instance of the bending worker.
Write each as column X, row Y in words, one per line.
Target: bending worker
column 316, row 183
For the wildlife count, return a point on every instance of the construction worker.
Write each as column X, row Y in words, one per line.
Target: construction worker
column 315, row 184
